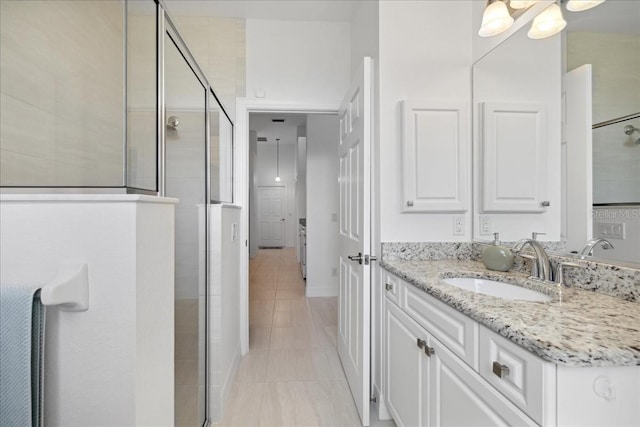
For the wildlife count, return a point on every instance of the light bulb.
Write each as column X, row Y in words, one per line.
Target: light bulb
column 580, row 5
column 522, row 4
column 548, row 23
column 277, row 179
column 495, row 20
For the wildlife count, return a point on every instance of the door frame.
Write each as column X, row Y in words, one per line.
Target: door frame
column 241, row 184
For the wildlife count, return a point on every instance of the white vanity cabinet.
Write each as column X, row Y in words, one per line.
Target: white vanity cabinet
column 427, row 385
column 442, row 368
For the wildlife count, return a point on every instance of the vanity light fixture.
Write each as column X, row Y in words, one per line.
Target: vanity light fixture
column 548, row 23
column 580, row 5
column 277, row 159
column 522, row 4
column 495, row 20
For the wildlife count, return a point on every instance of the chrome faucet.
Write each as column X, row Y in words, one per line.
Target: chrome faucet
column 542, row 267
column 591, row 244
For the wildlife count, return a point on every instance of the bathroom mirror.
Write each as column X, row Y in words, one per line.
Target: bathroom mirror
column 510, row 82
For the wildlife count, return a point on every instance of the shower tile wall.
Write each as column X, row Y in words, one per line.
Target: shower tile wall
column 61, row 95
column 616, row 93
column 219, row 46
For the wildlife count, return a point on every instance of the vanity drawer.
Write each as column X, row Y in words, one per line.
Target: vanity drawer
column 452, row 328
column 391, row 285
column 518, row 374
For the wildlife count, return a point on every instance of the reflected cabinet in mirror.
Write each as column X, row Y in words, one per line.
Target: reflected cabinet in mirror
column 556, row 134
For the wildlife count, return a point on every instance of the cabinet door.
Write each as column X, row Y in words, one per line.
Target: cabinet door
column 459, row 397
column 406, row 369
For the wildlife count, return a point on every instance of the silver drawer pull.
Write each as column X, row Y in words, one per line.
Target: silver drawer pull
column 429, row 351
column 500, row 370
column 421, row 343
column 388, row 286
column 409, row 203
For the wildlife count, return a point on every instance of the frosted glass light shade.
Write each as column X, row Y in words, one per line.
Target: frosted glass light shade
column 580, row 5
column 548, row 23
column 495, row 19
column 277, row 179
column 522, row 4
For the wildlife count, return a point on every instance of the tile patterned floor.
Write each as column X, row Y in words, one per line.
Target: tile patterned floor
column 291, row 375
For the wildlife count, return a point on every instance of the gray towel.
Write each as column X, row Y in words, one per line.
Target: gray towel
column 21, row 356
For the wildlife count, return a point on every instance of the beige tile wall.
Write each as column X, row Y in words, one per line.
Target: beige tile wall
column 219, row 46
column 61, row 93
column 616, row 93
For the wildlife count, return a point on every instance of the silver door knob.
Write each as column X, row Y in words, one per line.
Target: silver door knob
column 356, row 257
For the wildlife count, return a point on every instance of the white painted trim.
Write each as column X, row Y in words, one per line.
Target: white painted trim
column 245, row 106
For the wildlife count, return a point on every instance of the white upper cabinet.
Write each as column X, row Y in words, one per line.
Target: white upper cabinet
column 435, row 153
column 514, row 153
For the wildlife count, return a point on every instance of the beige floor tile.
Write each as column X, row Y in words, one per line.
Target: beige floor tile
column 253, row 367
column 298, row 337
column 314, row 403
column 290, row 293
column 244, row 405
column 186, row 346
column 326, row 335
column 300, row 364
column 259, row 337
column 291, row 304
column 261, row 319
column 324, row 310
column 262, row 294
column 290, row 284
column 292, row 318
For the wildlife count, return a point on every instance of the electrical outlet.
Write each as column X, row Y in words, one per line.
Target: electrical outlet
column 485, row 225
column 458, row 225
column 334, row 272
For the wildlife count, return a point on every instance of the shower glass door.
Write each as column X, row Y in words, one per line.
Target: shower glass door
column 185, row 172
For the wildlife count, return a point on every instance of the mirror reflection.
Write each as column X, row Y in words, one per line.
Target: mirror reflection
column 592, row 147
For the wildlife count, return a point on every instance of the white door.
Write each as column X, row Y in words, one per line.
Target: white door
column 271, row 216
column 577, row 156
column 355, row 270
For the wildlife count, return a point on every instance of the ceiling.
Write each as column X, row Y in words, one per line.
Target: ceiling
column 285, row 10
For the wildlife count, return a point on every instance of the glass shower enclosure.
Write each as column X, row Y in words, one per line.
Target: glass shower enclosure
column 121, row 106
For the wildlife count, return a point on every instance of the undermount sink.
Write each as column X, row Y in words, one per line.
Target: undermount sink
column 497, row 289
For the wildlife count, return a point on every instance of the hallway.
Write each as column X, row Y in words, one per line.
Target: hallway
column 291, row 375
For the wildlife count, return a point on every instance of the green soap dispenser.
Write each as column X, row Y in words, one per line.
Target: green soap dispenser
column 496, row 257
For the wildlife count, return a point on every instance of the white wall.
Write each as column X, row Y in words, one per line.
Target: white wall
column 114, row 363
column 224, row 326
column 322, row 205
column 298, row 62
column 628, row 217
column 425, row 53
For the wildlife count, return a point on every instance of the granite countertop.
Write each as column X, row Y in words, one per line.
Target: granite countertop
column 576, row 328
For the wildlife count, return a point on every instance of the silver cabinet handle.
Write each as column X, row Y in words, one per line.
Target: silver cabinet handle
column 409, row 203
column 421, row 343
column 546, row 203
column 388, row 286
column 500, row 370
column 429, row 351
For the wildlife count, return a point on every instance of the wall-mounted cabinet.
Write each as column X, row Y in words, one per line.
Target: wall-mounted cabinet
column 435, row 153
column 514, row 153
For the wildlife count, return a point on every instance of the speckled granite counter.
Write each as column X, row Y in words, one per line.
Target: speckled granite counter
column 577, row 328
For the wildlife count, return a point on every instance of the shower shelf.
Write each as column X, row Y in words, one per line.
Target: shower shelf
column 69, row 290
